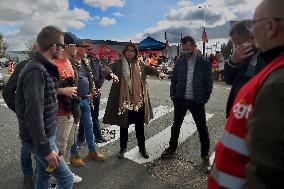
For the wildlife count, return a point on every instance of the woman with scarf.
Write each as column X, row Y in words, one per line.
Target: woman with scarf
column 129, row 101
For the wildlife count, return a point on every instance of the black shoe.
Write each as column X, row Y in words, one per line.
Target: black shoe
column 206, row 164
column 101, row 140
column 144, row 153
column 80, row 145
column 168, row 153
column 53, row 186
column 121, row 153
column 28, row 182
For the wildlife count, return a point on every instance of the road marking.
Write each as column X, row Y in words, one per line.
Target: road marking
column 2, row 101
column 158, row 143
column 212, row 158
column 218, row 87
column 101, row 113
column 104, row 100
column 4, row 105
column 158, row 112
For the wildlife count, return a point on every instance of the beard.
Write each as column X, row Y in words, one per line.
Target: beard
column 188, row 54
column 56, row 54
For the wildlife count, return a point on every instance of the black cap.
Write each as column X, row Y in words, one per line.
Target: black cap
column 70, row 38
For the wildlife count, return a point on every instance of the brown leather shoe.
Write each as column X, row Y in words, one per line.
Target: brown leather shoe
column 76, row 161
column 97, row 156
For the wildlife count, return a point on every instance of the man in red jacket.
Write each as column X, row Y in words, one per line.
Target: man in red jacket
column 251, row 153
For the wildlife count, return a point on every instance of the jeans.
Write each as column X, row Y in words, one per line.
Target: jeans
column 63, row 175
column 198, row 113
column 26, row 161
column 86, row 121
column 95, row 118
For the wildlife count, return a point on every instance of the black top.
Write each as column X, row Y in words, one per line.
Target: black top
column 36, row 103
column 11, row 85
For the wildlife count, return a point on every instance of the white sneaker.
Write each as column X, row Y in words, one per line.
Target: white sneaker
column 76, row 179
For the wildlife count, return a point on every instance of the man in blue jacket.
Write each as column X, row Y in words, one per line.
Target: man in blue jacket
column 191, row 87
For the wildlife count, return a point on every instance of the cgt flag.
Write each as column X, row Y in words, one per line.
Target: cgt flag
column 204, row 36
column 167, row 42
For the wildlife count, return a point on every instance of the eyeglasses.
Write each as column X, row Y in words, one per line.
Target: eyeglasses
column 251, row 23
column 60, row 45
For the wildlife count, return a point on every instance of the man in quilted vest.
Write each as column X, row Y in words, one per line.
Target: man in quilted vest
column 36, row 108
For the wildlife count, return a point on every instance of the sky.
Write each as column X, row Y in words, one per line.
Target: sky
column 122, row 20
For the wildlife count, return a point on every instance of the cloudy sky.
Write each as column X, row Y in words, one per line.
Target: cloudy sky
column 121, row 20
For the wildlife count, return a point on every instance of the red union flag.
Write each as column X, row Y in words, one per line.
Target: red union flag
column 167, row 42
column 204, row 36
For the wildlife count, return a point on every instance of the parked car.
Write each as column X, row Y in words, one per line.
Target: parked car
column 4, row 64
column 1, row 81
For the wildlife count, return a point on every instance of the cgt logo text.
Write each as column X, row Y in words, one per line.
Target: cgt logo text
column 242, row 109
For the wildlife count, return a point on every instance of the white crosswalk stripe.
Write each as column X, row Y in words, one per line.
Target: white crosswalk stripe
column 158, row 143
column 2, row 103
column 159, row 112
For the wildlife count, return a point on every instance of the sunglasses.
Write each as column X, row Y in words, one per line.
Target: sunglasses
column 251, row 23
column 60, row 45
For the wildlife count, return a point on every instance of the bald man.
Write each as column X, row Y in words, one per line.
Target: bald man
column 251, row 153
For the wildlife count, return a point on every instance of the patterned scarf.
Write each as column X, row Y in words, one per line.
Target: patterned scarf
column 130, row 97
column 92, row 87
column 86, row 63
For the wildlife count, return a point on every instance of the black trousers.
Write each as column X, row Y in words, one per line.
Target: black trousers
column 198, row 113
column 138, row 119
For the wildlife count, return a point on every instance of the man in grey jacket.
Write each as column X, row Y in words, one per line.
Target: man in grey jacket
column 191, row 87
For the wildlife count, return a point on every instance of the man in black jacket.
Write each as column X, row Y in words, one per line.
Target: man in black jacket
column 36, row 108
column 9, row 93
column 244, row 63
column 191, row 87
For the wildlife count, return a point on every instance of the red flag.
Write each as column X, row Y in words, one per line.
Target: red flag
column 167, row 42
column 204, row 36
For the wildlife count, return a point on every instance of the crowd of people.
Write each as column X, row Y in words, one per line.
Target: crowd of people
column 64, row 96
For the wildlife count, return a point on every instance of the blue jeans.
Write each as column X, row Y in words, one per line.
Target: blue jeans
column 63, row 175
column 86, row 121
column 26, row 162
column 95, row 119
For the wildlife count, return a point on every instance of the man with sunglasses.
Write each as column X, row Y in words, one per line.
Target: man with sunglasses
column 36, row 108
column 98, row 79
column 251, row 153
column 66, row 100
column 86, row 92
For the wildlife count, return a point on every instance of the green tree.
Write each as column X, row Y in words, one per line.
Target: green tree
column 227, row 49
column 3, row 46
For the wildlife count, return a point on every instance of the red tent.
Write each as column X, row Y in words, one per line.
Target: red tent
column 105, row 51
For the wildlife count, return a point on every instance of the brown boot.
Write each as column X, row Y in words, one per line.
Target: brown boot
column 97, row 156
column 76, row 161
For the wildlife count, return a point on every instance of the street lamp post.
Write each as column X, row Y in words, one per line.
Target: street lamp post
column 205, row 6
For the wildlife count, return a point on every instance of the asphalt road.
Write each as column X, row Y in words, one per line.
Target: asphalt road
column 183, row 171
